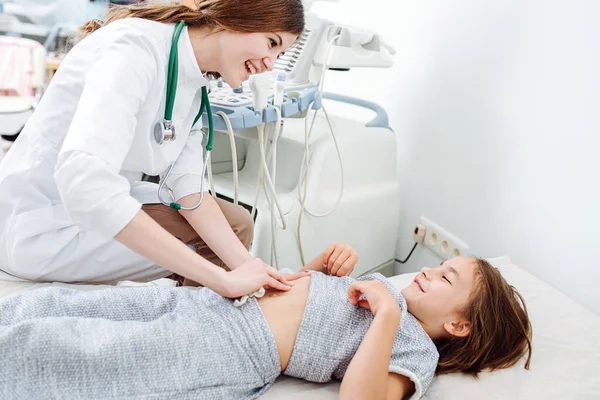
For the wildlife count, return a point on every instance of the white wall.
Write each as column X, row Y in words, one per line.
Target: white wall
column 497, row 109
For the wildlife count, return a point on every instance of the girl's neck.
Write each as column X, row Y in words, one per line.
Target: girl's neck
column 433, row 333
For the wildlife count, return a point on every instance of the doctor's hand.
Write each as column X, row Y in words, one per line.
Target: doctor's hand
column 339, row 259
column 251, row 276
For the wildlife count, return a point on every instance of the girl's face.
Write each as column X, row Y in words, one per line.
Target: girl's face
column 243, row 54
column 437, row 295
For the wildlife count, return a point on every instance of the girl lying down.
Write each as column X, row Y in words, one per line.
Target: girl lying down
column 184, row 343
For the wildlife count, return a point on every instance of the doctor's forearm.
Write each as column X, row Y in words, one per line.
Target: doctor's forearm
column 212, row 226
column 147, row 238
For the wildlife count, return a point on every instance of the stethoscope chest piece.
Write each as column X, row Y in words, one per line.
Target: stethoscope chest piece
column 164, row 132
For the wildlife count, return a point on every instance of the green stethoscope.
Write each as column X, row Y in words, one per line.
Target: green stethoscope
column 165, row 131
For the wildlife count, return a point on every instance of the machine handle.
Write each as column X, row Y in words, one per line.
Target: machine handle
column 381, row 119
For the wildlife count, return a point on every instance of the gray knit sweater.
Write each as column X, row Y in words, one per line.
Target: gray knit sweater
column 332, row 329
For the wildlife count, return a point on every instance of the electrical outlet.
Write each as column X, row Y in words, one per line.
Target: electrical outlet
column 419, row 233
column 442, row 242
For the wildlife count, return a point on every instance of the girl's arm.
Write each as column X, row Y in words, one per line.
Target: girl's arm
column 399, row 386
column 367, row 376
column 338, row 259
column 315, row 265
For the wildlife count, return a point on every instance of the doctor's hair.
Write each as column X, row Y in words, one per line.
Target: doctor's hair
column 244, row 16
column 500, row 328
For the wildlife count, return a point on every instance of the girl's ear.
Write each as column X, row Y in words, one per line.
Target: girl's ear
column 460, row 328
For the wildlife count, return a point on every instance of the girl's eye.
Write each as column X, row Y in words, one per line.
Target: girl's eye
column 273, row 43
column 448, row 280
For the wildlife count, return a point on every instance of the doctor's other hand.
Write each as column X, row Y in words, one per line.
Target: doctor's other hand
column 251, row 276
column 339, row 259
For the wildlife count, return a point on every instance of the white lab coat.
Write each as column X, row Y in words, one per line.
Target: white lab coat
column 68, row 185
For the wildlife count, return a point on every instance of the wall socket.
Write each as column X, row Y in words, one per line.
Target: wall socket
column 442, row 242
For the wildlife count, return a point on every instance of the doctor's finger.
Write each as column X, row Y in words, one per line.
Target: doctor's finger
column 298, row 275
column 275, row 284
column 273, row 273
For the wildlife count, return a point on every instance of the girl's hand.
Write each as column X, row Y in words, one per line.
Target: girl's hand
column 378, row 299
column 251, row 276
column 339, row 259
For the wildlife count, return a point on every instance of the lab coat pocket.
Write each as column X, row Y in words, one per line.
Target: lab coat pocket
column 36, row 236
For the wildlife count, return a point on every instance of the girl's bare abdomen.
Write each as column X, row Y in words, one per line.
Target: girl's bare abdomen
column 283, row 312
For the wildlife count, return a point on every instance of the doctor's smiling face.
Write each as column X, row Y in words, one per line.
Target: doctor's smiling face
column 230, row 38
column 236, row 39
column 245, row 54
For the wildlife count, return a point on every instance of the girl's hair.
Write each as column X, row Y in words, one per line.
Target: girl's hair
column 500, row 328
column 245, row 16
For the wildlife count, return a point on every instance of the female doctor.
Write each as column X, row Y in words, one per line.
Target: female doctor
column 70, row 197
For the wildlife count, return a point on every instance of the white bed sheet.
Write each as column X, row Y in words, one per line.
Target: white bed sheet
column 565, row 362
